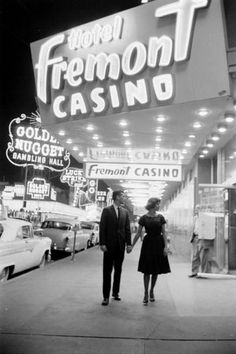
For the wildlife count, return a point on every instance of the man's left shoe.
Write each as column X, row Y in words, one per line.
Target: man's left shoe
column 105, row 302
column 193, row 275
column 116, row 297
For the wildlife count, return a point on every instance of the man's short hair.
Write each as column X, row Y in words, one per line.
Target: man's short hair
column 116, row 194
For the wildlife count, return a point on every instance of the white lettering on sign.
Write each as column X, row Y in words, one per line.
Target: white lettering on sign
column 45, row 62
column 35, row 146
column 159, row 52
column 39, row 149
column 38, row 188
column 73, row 176
column 98, row 34
column 162, row 156
column 136, row 92
column 53, row 194
column 134, row 172
column 35, row 133
column 185, row 12
column 103, row 66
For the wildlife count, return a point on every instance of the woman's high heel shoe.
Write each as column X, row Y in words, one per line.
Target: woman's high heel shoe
column 152, row 297
column 145, row 299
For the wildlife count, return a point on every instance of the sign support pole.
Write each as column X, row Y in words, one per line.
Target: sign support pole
column 25, row 184
column 73, row 251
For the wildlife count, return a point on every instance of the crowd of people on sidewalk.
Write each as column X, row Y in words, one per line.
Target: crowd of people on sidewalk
column 28, row 215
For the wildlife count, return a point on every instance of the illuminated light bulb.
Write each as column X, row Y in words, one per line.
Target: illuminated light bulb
column 69, row 141
column 61, row 133
column 215, row 137
column 197, row 125
column 192, row 136
column 95, row 137
column 209, row 144
column 158, row 138
column 201, row 156
column 159, row 130
column 90, row 127
column 231, row 157
column 221, row 128
column 203, row 112
column 123, row 123
column 229, row 117
column 99, row 144
column 81, row 153
column 205, row 151
column 187, row 144
column 161, row 118
column 127, row 142
column 126, row 133
column 184, row 151
column 75, row 148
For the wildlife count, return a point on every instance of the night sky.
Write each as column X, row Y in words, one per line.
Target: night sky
column 23, row 22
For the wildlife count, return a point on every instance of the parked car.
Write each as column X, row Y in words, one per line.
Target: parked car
column 62, row 233
column 20, row 249
column 92, row 230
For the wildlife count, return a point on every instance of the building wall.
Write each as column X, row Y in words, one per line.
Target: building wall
column 180, row 221
column 180, row 210
column 204, row 171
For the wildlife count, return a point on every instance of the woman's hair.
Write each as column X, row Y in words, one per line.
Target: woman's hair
column 151, row 203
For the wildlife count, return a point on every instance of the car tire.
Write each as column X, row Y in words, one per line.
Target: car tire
column 43, row 261
column 89, row 244
column 4, row 275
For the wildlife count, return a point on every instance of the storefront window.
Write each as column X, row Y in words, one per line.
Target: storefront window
column 230, row 161
column 230, row 16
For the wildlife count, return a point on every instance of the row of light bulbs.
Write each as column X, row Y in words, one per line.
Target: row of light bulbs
column 202, row 112
column 222, row 128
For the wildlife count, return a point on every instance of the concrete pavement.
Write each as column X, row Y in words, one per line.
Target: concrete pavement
column 58, row 310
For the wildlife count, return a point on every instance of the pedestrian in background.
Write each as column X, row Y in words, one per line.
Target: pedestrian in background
column 153, row 258
column 114, row 236
column 195, row 254
column 200, row 248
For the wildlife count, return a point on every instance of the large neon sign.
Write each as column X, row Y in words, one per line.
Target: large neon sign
column 35, row 146
column 38, row 188
column 73, row 176
column 88, row 84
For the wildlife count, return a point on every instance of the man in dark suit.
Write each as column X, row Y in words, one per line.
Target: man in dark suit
column 114, row 235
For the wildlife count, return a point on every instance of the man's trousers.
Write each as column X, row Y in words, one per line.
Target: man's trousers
column 112, row 260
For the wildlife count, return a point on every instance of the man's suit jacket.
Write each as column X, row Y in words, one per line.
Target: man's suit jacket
column 114, row 232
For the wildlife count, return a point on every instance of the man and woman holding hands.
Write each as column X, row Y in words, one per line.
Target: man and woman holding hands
column 115, row 237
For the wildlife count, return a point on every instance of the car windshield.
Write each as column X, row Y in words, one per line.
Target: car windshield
column 62, row 226
column 86, row 226
column 56, row 225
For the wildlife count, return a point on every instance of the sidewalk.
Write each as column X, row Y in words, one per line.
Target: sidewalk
column 58, row 310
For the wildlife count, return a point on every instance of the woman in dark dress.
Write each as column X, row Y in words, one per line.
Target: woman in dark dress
column 153, row 256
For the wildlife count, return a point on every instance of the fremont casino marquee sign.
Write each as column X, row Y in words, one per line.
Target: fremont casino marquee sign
column 132, row 60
